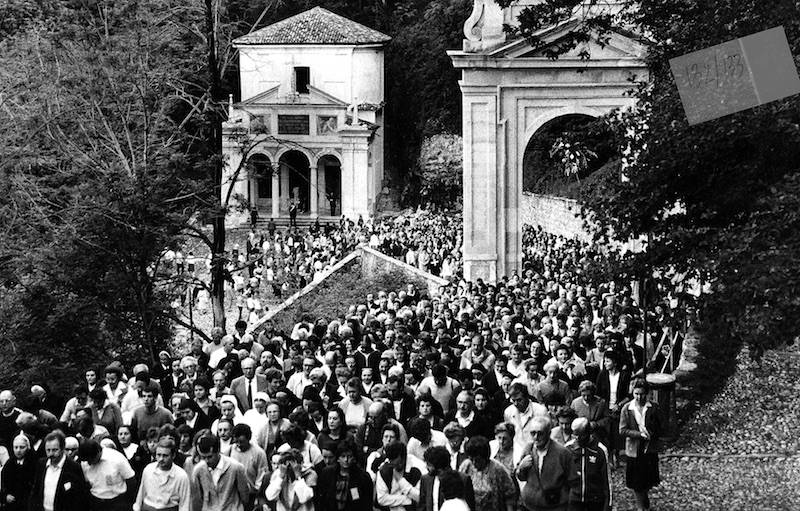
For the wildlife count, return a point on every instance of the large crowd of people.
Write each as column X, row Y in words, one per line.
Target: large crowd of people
column 272, row 263
column 520, row 395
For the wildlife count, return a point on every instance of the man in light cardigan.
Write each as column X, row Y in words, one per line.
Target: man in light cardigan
column 218, row 482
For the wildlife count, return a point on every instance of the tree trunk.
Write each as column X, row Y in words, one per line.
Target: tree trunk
column 214, row 127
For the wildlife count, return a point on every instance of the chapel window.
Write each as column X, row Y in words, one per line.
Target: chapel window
column 302, row 78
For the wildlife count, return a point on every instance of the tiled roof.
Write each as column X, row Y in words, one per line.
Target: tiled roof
column 315, row 26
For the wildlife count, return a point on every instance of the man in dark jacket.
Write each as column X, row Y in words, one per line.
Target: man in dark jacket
column 590, row 485
column 356, row 492
column 59, row 483
column 431, row 498
column 546, row 468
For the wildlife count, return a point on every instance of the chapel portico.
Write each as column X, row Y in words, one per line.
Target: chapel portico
column 308, row 128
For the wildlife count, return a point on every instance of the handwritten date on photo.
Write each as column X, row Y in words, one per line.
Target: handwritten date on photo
column 724, row 70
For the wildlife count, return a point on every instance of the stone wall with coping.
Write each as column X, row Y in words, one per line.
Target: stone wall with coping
column 362, row 271
column 555, row 215
column 374, row 262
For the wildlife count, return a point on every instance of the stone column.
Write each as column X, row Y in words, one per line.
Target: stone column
column 276, row 175
column 287, row 193
column 482, row 221
column 355, row 172
column 314, row 191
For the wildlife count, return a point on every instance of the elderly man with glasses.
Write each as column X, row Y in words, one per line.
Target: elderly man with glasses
column 546, row 470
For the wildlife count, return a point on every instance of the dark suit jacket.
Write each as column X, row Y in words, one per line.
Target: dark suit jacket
column 623, row 386
column 325, row 492
column 408, row 409
column 490, row 382
column 453, row 327
column 239, row 389
column 168, row 386
column 372, row 359
column 426, row 493
column 332, row 390
column 72, row 491
column 635, row 361
column 203, row 422
column 551, row 488
column 17, row 481
column 480, row 425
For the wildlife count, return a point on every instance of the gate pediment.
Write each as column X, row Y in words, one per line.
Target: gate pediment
column 614, row 45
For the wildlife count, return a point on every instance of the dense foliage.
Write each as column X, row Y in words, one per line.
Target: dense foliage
column 441, row 162
column 717, row 199
column 94, row 164
column 564, row 153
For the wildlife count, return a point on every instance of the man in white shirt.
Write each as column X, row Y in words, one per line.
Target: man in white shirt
column 110, row 476
column 115, row 388
column 58, row 484
column 300, row 380
column 521, row 413
column 226, row 347
column 217, row 334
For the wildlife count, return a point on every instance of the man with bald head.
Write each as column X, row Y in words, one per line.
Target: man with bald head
column 246, row 386
column 590, row 481
column 8, row 418
column 369, row 435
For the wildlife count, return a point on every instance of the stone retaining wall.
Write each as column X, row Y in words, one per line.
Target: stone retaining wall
column 374, row 262
column 555, row 215
column 362, row 271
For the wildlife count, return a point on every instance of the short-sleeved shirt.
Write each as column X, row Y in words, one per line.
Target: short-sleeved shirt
column 107, row 477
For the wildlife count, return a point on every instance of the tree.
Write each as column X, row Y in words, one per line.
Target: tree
column 715, row 198
column 97, row 172
column 441, row 162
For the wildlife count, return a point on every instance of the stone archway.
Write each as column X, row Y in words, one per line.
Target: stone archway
column 259, row 167
column 329, row 170
column 296, row 174
column 509, row 91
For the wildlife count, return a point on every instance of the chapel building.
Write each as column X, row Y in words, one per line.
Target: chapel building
column 308, row 129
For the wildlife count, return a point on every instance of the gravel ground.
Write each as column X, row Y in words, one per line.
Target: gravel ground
column 756, row 413
column 719, row 484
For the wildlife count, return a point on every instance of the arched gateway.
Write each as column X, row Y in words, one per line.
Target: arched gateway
column 509, row 91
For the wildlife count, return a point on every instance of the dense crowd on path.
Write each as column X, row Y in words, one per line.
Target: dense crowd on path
column 519, row 395
column 272, row 263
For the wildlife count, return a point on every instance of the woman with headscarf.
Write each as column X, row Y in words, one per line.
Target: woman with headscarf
column 18, row 475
